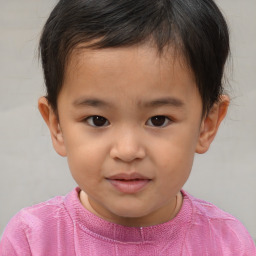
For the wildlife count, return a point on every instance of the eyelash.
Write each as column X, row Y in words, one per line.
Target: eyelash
column 90, row 121
column 103, row 122
column 166, row 120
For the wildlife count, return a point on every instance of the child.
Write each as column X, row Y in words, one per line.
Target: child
column 133, row 91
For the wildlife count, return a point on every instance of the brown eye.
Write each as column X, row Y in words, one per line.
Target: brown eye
column 97, row 121
column 158, row 121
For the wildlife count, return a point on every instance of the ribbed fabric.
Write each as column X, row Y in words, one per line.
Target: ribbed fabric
column 63, row 227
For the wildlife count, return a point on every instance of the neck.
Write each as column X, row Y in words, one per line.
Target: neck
column 150, row 220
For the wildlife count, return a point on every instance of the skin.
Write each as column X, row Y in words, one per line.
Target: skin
column 129, row 86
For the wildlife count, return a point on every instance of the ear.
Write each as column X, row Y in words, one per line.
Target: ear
column 52, row 121
column 211, row 123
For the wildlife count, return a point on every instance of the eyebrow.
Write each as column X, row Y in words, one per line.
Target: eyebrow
column 168, row 101
column 94, row 102
column 91, row 102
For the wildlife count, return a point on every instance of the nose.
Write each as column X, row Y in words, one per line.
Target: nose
column 127, row 146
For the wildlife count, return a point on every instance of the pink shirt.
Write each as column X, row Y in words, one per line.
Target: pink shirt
column 63, row 227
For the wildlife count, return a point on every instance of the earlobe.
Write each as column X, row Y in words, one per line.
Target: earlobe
column 52, row 122
column 211, row 123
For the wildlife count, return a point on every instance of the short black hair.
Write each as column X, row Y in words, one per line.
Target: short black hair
column 196, row 28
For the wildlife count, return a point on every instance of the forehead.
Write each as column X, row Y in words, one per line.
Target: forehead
column 146, row 55
column 137, row 73
column 109, row 57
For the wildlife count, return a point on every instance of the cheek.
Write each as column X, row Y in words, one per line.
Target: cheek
column 174, row 170
column 175, row 157
column 85, row 158
column 175, row 164
column 81, row 143
column 178, row 148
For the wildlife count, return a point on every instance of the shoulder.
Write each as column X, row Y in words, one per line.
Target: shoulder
column 34, row 216
column 218, row 229
column 35, row 225
column 208, row 210
column 44, row 210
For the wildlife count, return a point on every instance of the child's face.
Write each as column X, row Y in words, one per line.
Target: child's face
column 130, row 123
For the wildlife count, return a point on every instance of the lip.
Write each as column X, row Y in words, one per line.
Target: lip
column 129, row 183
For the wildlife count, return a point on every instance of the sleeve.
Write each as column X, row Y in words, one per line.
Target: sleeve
column 215, row 232
column 234, row 239
column 246, row 242
column 14, row 241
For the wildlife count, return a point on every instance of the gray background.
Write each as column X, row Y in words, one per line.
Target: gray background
column 30, row 170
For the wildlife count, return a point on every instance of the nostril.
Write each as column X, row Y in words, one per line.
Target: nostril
column 127, row 154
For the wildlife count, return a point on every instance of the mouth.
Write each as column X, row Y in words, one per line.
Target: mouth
column 129, row 183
